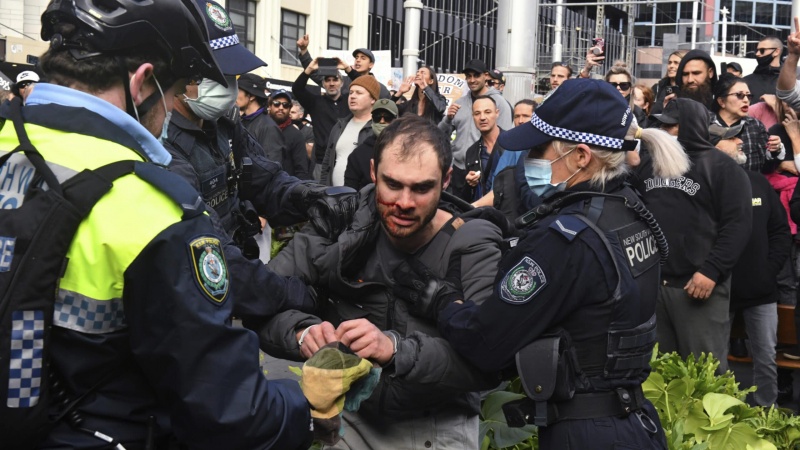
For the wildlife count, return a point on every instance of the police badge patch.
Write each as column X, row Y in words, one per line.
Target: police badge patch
column 522, row 282
column 211, row 271
column 219, row 16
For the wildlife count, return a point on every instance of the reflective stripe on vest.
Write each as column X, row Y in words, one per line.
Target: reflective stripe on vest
column 120, row 226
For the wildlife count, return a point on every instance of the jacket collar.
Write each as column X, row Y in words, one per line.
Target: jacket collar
column 50, row 94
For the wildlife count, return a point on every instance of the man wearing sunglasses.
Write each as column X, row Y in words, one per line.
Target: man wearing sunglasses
column 765, row 77
column 295, row 159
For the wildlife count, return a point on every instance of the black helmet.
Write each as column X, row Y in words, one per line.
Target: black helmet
column 110, row 25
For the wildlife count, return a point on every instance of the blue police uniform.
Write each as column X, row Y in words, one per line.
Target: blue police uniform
column 141, row 333
column 204, row 157
column 589, row 272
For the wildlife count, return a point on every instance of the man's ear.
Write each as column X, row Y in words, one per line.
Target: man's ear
column 137, row 83
column 372, row 170
column 447, row 177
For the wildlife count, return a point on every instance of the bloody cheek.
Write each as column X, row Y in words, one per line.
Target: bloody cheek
column 387, row 204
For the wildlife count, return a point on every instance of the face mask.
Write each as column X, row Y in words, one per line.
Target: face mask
column 377, row 128
column 213, row 99
column 167, row 114
column 538, row 174
column 764, row 60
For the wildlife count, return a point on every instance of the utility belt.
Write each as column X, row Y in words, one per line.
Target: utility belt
column 619, row 402
column 551, row 375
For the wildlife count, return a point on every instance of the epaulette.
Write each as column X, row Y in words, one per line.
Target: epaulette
column 173, row 186
column 568, row 226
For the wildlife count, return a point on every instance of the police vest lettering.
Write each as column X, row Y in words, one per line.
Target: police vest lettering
column 639, row 246
column 15, row 178
column 683, row 183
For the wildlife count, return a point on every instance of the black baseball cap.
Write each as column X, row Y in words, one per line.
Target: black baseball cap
column 581, row 110
column 735, row 66
column 497, row 75
column 282, row 93
column 669, row 116
column 254, row 85
column 476, row 65
column 232, row 57
column 366, row 52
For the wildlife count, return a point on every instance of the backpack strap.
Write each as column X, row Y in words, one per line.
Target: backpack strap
column 25, row 145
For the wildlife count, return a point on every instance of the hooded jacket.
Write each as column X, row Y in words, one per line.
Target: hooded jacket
column 692, row 55
column 706, row 214
column 763, row 80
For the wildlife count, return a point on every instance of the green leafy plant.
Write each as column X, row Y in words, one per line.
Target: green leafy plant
column 698, row 409
column 701, row 410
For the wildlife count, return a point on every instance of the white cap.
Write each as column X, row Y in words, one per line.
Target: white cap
column 27, row 75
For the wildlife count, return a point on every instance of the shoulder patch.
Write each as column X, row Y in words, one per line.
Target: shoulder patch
column 568, row 226
column 210, row 268
column 522, row 282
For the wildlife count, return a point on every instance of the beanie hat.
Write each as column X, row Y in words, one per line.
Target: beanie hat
column 369, row 83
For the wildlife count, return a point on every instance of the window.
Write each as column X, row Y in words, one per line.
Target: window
column 338, row 36
column 764, row 13
column 243, row 16
column 293, row 25
column 744, row 12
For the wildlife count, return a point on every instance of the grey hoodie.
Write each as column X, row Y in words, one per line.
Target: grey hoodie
column 466, row 131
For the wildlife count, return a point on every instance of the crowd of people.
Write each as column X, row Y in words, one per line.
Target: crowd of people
column 434, row 249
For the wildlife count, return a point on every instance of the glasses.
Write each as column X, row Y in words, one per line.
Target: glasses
column 277, row 103
column 765, row 50
column 741, row 95
column 624, row 86
column 377, row 116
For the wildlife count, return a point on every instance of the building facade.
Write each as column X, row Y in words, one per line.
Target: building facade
column 269, row 28
column 748, row 22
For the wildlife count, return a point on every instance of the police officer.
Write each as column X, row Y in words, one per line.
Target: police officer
column 140, row 339
column 582, row 280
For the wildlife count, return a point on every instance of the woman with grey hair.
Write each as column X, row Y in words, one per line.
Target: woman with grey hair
column 583, row 279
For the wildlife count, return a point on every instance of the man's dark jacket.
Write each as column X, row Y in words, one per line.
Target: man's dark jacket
column 706, row 214
column 324, row 111
column 754, row 278
column 762, row 81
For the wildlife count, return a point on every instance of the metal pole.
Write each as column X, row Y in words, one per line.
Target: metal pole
column 694, row 24
column 599, row 20
column 795, row 13
column 557, row 47
column 517, row 47
column 724, row 12
column 413, row 17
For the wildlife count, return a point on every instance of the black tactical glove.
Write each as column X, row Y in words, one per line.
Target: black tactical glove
column 329, row 209
column 426, row 293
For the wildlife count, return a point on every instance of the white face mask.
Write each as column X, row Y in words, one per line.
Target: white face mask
column 213, row 99
column 167, row 114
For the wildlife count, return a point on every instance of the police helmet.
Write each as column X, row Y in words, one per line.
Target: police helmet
column 106, row 26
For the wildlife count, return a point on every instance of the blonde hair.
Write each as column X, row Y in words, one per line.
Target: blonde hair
column 669, row 159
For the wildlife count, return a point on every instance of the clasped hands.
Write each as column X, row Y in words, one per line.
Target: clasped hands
column 360, row 335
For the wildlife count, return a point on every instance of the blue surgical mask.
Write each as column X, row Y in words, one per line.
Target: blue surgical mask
column 538, row 174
